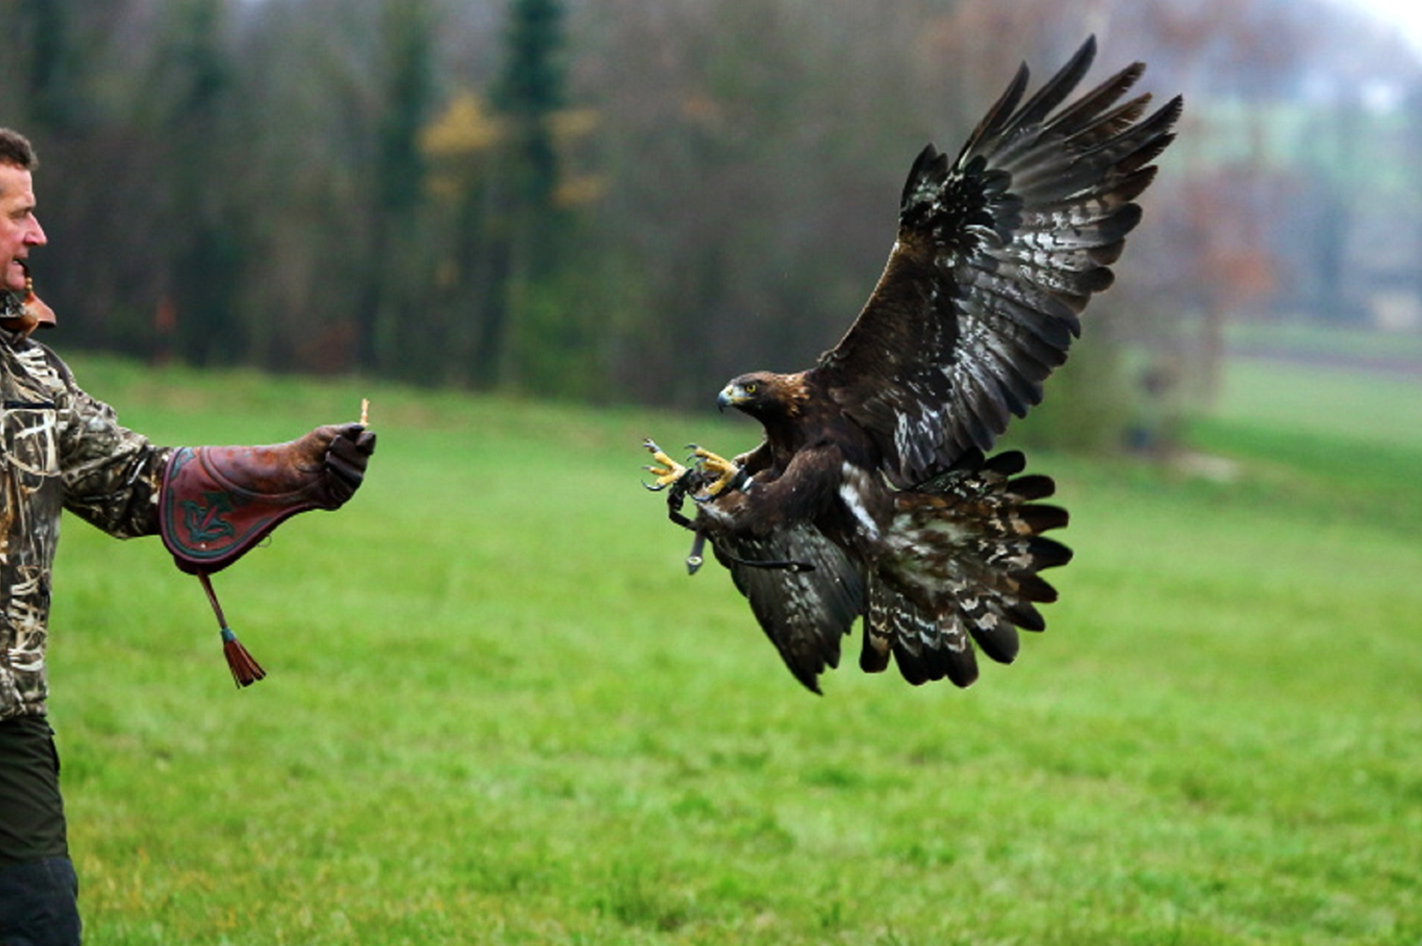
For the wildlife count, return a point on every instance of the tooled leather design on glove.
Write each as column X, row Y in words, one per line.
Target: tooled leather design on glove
column 218, row 502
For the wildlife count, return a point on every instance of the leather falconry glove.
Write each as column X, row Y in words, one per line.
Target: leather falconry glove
column 216, row 503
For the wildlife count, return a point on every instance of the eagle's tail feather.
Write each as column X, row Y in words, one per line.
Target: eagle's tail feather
column 966, row 550
column 925, row 648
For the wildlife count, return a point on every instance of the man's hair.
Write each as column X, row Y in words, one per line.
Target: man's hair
column 16, row 149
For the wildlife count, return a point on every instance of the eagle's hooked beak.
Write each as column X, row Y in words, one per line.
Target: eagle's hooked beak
column 730, row 396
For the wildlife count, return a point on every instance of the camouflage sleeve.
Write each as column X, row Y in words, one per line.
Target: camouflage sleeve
column 112, row 475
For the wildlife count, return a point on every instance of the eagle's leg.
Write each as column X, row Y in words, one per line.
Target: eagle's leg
column 666, row 470
column 726, row 472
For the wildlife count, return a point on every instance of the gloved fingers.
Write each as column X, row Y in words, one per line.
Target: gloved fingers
column 356, row 446
column 325, row 439
column 363, row 438
column 350, row 431
column 347, row 460
column 348, row 457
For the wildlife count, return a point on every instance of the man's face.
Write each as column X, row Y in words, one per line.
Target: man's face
column 19, row 229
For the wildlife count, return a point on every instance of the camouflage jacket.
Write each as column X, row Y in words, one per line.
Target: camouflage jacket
column 59, row 449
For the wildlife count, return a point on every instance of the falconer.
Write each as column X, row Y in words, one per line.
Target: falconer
column 62, row 449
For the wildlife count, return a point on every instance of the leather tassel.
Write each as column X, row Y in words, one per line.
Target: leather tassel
column 245, row 669
column 37, row 313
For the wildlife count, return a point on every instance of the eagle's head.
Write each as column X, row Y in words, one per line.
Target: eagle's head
column 764, row 395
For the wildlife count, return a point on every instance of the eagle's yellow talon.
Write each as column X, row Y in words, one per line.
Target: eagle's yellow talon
column 666, row 470
column 724, row 470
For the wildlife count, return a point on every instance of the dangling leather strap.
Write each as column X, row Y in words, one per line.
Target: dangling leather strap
column 245, row 669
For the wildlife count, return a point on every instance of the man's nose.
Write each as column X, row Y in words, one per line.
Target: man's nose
column 36, row 235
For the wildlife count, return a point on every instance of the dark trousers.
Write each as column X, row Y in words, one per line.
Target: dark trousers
column 38, row 889
column 38, row 904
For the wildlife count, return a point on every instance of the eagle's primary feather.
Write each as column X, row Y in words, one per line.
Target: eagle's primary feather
column 871, row 496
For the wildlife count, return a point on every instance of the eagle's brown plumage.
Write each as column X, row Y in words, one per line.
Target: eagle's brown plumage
column 871, row 496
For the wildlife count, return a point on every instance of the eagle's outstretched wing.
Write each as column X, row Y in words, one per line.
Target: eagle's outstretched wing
column 803, row 590
column 997, row 255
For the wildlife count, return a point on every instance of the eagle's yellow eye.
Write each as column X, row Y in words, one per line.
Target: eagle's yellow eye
column 750, row 388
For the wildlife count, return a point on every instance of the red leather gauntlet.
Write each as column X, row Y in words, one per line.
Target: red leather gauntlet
column 218, row 502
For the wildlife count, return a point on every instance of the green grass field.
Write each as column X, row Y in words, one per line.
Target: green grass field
column 499, row 711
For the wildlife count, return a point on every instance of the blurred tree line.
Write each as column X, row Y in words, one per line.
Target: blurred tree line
column 630, row 200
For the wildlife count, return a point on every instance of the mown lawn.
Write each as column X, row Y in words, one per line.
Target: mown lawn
column 500, row 712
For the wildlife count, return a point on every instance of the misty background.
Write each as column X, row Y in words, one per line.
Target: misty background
column 633, row 200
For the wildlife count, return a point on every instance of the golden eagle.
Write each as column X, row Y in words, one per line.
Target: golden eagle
column 871, row 495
